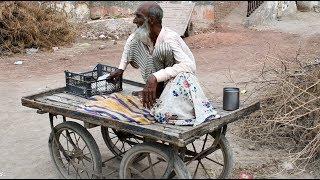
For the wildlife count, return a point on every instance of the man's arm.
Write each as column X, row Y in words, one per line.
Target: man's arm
column 184, row 63
column 123, row 61
column 124, row 58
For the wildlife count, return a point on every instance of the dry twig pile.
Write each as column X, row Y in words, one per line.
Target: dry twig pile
column 290, row 113
column 31, row 25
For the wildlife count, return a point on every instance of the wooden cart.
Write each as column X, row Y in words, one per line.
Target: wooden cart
column 146, row 151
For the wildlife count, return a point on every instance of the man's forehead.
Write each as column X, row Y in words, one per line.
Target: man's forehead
column 142, row 10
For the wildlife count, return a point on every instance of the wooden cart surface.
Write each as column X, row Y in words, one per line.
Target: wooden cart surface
column 59, row 102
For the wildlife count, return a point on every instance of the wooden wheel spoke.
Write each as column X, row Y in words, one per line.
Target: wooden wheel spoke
column 122, row 146
column 76, row 169
column 205, row 170
column 77, row 141
column 114, row 145
column 84, row 147
column 67, row 142
column 75, row 138
column 194, row 175
column 150, row 163
column 136, row 140
column 214, row 161
column 129, row 142
column 85, row 168
column 68, row 167
column 87, row 158
column 138, row 172
column 112, row 133
column 114, row 137
column 205, row 141
column 153, row 165
column 68, row 138
column 194, row 148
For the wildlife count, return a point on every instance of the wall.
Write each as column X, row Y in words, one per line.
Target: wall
column 271, row 11
column 116, row 16
column 308, row 6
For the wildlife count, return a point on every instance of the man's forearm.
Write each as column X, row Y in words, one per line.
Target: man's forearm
column 123, row 65
column 171, row 72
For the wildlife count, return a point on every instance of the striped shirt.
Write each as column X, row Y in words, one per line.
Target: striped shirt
column 185, row 61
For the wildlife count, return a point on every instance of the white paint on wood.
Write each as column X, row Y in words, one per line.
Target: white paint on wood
column 177, row 16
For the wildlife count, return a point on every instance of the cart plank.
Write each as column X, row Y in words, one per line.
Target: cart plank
column 59, row 102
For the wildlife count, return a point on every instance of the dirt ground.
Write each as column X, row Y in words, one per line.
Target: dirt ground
column 229, row 56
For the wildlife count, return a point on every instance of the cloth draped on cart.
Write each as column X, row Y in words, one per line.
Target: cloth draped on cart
column 118, row 107
column 181, row 103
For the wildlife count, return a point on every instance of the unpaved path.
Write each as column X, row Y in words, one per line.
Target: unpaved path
column 223, row 58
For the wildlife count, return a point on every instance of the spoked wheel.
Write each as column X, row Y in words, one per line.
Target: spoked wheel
column 160, row 162
column 119, row 142
column 75, row 152
column 207, row 158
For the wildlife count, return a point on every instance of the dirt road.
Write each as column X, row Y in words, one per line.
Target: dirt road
column 224, row 57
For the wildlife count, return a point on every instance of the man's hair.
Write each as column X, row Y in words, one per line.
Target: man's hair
column 157, row 12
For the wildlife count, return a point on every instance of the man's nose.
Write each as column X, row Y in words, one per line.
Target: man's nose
column 135, row 21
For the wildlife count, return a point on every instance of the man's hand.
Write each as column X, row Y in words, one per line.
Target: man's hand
column 115, row 74
column 149, row 92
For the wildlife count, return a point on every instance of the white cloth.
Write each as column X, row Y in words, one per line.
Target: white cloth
column 183, row 102
column 185, row 61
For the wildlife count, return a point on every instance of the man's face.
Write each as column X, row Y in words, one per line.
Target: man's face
column 143, row 32
column 140, row 16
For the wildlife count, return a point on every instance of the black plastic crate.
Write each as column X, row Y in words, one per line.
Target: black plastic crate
column 87, row 84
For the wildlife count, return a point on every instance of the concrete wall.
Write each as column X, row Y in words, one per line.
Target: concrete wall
column 308, row 6
column 271, row 11
column 115, row 17
column 77, row 10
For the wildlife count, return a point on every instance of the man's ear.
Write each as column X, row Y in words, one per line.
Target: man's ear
column 152, row 20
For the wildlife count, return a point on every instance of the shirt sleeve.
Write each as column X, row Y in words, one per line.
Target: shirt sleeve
column 124, row 58
column 183, row 63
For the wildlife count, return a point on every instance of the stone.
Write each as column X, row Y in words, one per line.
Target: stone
column 68, row 7
column 82, row 11
column 287, row 166
column 316, row 8
column 245, row 175
column 96, row 13
column 251, row 147
column 243, row 91
column 18, row 62
column 85, row 45
column 102, row 47
column 102, row 36
column 31, row 51
column 55, row 48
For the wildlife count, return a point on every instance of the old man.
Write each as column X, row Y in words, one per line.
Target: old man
column 167, row 65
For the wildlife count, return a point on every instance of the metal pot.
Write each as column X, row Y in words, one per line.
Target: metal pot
column 230, row 98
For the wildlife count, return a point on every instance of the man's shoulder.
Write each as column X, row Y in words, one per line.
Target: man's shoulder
column 131, row 36
column 171, row 34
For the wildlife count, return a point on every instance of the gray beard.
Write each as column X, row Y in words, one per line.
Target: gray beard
column 142, row 33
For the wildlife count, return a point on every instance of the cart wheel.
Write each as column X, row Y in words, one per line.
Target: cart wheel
column 212, row 162
column 160, row 163
column 76, row 154
column 119, row 142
